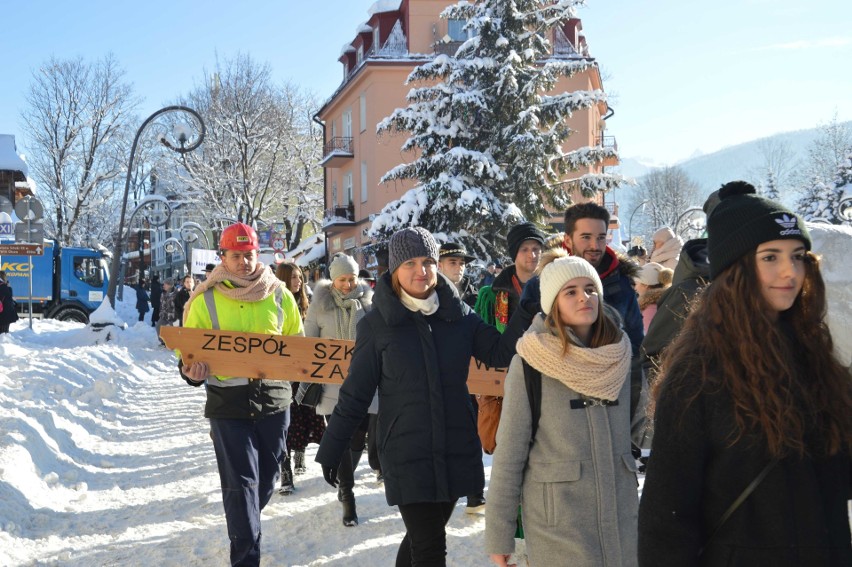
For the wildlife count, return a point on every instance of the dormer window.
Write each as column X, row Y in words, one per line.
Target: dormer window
column 359, row 55
column 345, row 70
column 376, row 38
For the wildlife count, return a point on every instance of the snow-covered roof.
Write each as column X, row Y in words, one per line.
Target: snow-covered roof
column 310, row 250
column 347, row 48
column 9, row 158
column 381, row 6
column 364, row 28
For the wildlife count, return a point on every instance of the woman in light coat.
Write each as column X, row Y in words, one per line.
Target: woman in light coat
column 576, row 480
column 667, row 246
column 335, row 310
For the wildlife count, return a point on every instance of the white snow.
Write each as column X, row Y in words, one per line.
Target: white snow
column 381, row 6
column 105, row 459
column 9, row 158
column 834, row 243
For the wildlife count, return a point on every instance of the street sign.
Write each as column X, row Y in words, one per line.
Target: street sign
column 278, row 244
column 21, row 249
column 29, row 232
column 6, row 206
column 29, row 208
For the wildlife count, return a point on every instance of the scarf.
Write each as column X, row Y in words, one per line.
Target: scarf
column 593, row 372
column 426, row 306
column 259, row 285
column 349, row 311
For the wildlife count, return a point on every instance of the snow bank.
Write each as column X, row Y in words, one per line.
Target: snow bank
column 834, row 244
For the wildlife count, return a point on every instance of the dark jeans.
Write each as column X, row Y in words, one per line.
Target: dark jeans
column 425, row 541
column 247, row 452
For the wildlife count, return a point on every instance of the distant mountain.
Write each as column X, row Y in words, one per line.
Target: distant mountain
column 742, row 161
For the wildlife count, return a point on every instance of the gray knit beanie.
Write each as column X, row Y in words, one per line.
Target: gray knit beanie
column 342, row 265
column 408, row 243
column 559, row 272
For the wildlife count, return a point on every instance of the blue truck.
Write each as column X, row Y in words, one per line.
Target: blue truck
column 68, row 283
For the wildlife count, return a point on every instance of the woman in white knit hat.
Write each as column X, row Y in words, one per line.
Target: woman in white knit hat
column 565, row 458
column 651, row 282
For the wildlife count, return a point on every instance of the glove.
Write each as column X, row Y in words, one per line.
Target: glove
column 330, row 475
column 531, row 296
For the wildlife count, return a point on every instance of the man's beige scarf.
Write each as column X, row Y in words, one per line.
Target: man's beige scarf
column 256, row 287
column 593, row 372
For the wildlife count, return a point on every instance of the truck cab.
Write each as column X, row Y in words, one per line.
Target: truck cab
column 68, row 283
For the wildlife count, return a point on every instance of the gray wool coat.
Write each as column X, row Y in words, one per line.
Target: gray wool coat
column 321, row 322
column 576, row 484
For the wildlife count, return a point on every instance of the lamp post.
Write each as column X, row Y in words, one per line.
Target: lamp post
column 181, row 135
column 630, row 220
column 688, row 211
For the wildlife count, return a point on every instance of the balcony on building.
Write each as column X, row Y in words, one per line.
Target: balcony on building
column 608, row 142
column 337, row 152
column 339, row 216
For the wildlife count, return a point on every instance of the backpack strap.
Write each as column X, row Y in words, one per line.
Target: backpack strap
column 532, row 381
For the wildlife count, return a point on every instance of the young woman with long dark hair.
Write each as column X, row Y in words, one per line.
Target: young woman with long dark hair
column 750, row 463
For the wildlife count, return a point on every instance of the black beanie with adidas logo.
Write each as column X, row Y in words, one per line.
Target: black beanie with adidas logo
column 743, row 220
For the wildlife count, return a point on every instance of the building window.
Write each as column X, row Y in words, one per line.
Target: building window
column 359, row 56
column 363, row 114
column 333, row 194
column 364, row 192
column 347, row 124
column 456, row 31
column 345, row 70
column 376, row 36
column 347, row 189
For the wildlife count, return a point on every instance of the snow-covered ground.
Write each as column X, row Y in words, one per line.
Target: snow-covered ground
column 105, row 459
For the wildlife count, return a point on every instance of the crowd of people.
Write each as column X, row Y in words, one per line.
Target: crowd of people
column 707, row 364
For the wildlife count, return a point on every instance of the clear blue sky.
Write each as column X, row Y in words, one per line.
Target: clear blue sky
column 685, row 76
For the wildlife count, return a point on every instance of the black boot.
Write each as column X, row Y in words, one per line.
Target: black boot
column 350, row 514
column 287, row 486
column 299, row 463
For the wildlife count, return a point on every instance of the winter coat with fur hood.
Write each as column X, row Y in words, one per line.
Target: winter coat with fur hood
column 321, row 322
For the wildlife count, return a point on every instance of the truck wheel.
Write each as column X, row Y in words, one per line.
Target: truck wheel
column 73, row 314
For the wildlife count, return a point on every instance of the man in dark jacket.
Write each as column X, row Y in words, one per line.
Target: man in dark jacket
column 585, row 236
column 156, row 293
column 141, row 299
column 691, row 274
column 452, row 260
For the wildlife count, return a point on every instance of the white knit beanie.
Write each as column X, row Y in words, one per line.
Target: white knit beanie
column 556, row 274
column 342, row 265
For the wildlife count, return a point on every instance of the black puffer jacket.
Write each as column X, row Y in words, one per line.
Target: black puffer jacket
column 428, row 445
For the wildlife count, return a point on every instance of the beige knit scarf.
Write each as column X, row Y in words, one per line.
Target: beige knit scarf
column 256, row 287
column 593, row 372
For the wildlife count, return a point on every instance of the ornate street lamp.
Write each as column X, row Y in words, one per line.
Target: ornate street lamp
column 180, row 134
column 630, row 220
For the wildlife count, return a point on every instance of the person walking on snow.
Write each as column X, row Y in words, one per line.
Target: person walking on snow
column 248, row 417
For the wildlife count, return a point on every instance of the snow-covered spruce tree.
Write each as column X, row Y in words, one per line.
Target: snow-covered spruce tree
column 819, row 202
column 770, row 189
column 489, row 130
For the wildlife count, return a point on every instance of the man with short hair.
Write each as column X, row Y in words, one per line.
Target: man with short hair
column 585, row 236
column 496, row 304
column 452, row 259
column 248, row 417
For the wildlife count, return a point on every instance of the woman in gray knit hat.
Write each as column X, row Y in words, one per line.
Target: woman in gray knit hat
column 415, row 347
column 750, row 463
column 337, row 307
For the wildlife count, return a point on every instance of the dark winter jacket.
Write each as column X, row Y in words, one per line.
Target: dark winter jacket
column 9, row 314
column 468, row 291
column 428, row 444
column 691, row 274
column 141, row 299
column 617, row 274
column 181, row 298
column 156, row 293
column 797, row 516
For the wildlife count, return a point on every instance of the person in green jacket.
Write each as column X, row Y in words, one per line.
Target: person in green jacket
column 248, row 417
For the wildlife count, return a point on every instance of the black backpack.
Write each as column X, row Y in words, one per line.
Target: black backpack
column 532, row 381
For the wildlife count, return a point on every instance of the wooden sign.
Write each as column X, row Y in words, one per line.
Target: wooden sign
column 297, row 359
